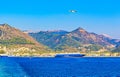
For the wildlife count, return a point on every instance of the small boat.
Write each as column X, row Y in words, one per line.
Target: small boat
column 69, row 55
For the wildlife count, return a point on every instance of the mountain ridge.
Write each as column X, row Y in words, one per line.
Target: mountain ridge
column 15, row 40
column 74, row 39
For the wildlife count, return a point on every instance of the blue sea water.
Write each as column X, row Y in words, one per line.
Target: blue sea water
column 60, row 67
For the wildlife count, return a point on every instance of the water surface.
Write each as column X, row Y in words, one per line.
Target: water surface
column 60, row 67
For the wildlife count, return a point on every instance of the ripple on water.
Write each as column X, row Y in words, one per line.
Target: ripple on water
column 9, row 68
column 60, row 67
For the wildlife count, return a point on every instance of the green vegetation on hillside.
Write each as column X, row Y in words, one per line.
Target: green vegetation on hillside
column 117, row 49
column 94, row 47
column 79, row 39
column 15, row 41
column 2, row 52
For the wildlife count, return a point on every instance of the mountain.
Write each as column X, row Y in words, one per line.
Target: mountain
column 10, row 35
column 13, row 39
column 76, row 39
column 85, row 37
column 48, row 37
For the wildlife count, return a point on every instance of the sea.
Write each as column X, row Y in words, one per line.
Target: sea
column 59, row 67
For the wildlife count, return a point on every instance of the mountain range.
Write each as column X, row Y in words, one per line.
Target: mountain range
column 78, row 39
column 59, row 40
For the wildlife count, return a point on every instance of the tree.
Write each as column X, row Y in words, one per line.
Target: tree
column 2, row 51
column 116, row 49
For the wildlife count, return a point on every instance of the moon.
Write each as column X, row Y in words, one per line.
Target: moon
column 73, row 11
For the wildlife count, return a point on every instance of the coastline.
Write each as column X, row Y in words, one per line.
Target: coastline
column 51, row 56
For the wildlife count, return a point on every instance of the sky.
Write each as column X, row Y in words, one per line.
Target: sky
column 99, row 16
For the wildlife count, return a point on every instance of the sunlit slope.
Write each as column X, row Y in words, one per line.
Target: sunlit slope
column 12, row 38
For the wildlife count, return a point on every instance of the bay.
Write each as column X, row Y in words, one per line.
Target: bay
column 59, row 67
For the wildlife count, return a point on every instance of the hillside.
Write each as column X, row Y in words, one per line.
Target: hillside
column 12, row 39
column 10, row 35
column 78, row 39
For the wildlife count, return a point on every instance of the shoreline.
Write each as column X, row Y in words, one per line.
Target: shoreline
column 55, row 57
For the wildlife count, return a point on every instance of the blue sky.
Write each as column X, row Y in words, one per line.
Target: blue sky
column 99, row 16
